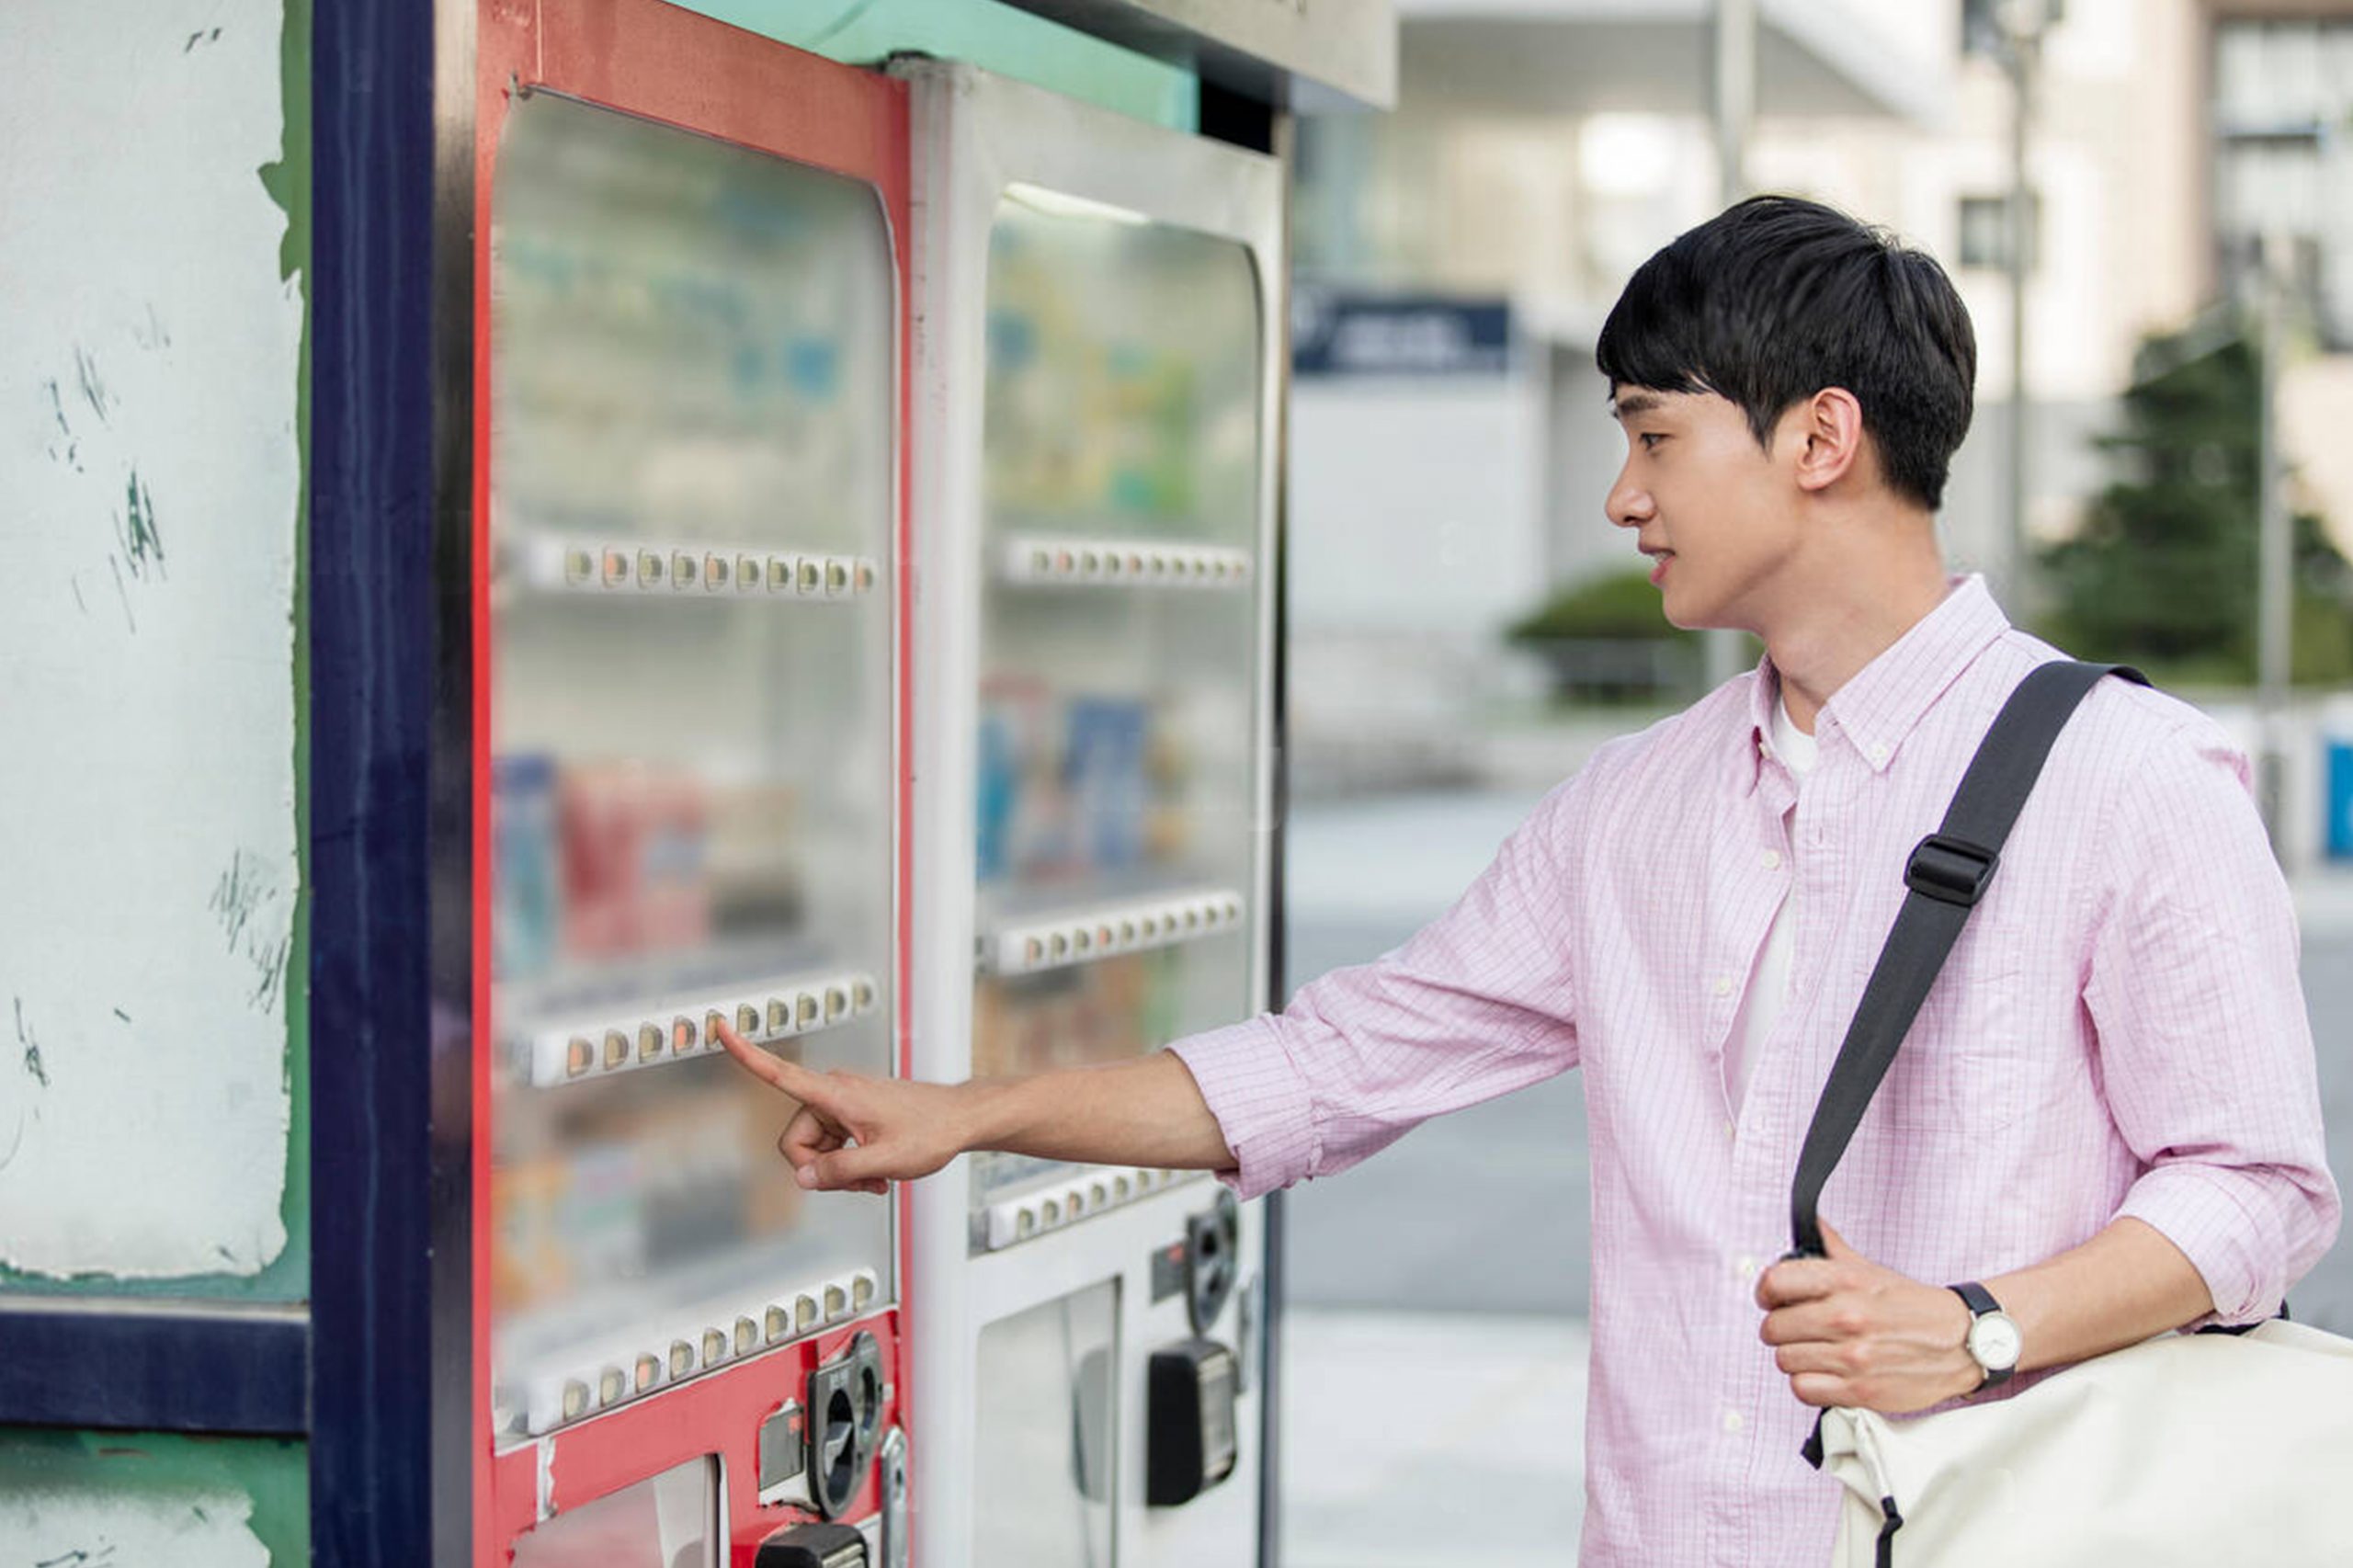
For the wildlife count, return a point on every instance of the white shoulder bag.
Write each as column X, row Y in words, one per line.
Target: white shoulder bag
column 2207, row 1449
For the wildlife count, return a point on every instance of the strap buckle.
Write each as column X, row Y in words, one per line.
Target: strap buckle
column 1950, row 871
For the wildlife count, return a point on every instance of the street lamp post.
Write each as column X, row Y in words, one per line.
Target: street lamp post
column 2022, row 24
column 2274, row 571
column 1735, row 81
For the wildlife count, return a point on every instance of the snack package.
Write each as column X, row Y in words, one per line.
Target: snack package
column 601, row 814
column 1104, row 772
column 673, row 886
column 527, row 1263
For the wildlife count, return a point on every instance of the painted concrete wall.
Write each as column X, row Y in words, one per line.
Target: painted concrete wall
column 126, row 1499
column 151, row 356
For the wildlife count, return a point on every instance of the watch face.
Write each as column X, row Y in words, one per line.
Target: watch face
column 1993, row 1342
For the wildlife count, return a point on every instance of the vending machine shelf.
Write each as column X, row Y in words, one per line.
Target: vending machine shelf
column 1073, row 1193
column 1065, row 561
column 572, row 1379
column 570, row 563
column 1088, row 935
column 597, row 1042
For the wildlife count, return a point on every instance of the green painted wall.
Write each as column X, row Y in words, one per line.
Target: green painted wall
column 126, row 1500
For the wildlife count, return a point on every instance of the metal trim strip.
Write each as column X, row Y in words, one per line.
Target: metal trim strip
column 149, row 1367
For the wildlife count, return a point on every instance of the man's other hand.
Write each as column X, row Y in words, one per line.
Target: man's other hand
column 1848, row 1332
column 851, row 1132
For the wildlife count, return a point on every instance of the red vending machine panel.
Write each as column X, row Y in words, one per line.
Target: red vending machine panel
column 689, row 798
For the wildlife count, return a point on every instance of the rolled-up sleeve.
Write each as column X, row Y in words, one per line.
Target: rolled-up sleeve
column 1478, row 1003
column 2205, row 1050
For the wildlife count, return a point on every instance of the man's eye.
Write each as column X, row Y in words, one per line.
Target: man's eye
column 1650, row 439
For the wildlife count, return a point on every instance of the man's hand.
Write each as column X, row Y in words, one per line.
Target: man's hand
column 1850, row 1333
column 852, row 1133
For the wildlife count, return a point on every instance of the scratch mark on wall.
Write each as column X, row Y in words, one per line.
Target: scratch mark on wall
column 14, row 1145
column 123, row 1016
column 244, row 891
column 80, row 1557
column 115, row 566
column 31, row 1046
column 201, row 36
column 150, row 333
column 94, row 386
column 66, row 450
column 135, row 527
column 272, row 967
column 79, row 603
column 235, row 895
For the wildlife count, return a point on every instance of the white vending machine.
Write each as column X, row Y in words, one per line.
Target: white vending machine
column 1097, row 338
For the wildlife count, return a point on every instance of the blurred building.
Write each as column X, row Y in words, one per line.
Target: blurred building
column 1454, row 259
column 1542, row 149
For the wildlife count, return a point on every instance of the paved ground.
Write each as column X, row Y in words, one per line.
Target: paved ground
column 1465, row 1245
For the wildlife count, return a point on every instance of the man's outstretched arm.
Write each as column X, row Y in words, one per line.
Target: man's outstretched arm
column 862, row 1134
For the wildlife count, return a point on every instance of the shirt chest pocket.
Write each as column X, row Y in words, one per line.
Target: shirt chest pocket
column 1973, row 1062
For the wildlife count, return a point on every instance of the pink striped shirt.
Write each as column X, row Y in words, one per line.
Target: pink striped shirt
column 2119, row 1031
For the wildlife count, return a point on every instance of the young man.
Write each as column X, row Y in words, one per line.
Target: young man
column 2106, row 1115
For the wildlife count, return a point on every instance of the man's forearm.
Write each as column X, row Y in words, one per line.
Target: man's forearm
column 2123, row 1285
column 1148, row 1113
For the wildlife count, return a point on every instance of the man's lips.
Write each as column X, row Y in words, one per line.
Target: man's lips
column 1659, row 561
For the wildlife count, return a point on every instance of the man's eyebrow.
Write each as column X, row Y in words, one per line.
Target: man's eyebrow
column 1640, row 403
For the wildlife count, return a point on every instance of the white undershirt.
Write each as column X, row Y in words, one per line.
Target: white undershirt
column 1769, row 984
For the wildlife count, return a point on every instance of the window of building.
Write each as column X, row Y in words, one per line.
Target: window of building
column 1985, row 231
column 2283, row 173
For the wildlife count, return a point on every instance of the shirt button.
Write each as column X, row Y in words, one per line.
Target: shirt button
column 1878, row 753
column 1770, row 859
column 1733, row 1422
column 1723, row 986
column 1731, row 1131
column 1745, row 1270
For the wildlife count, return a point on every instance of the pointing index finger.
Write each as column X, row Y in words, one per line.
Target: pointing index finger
column 789, row 1077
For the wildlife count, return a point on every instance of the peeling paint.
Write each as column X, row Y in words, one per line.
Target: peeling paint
column 117, row 1500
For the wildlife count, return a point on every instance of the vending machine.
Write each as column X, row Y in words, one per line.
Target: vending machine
column 688, row 614
column 1097, row 350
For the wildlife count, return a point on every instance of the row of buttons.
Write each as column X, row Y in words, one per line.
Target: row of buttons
column 1018, row 1219
column 780, row 1011
column 553, row 1401
column 559, row 566
column 1034, row 560
column 1123, row 928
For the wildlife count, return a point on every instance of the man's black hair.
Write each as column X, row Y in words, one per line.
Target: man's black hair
column 1778, row 298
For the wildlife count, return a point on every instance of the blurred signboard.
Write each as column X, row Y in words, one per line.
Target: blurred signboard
column 1336, row 334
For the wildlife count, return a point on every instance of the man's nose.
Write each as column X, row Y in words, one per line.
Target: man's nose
column 1628, row 504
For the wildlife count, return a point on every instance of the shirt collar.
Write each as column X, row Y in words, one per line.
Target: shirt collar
column 1882, row 703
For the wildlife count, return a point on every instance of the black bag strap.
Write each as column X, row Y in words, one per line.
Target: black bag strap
column 1948, row 874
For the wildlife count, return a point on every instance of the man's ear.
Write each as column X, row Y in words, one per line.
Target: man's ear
column 1830, row 426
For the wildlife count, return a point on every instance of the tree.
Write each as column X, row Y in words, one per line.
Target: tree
column 2163, row 572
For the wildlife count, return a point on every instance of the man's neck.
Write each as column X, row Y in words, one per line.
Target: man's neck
column 1849, row 619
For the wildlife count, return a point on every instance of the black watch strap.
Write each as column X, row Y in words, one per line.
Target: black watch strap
column 1980, row 1300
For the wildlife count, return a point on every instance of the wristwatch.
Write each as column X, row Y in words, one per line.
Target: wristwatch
column 1993, row 1342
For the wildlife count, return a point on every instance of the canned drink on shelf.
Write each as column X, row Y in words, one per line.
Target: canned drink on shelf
column 524, row 904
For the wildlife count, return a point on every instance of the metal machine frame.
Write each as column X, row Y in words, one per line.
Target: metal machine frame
column 975, row 135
